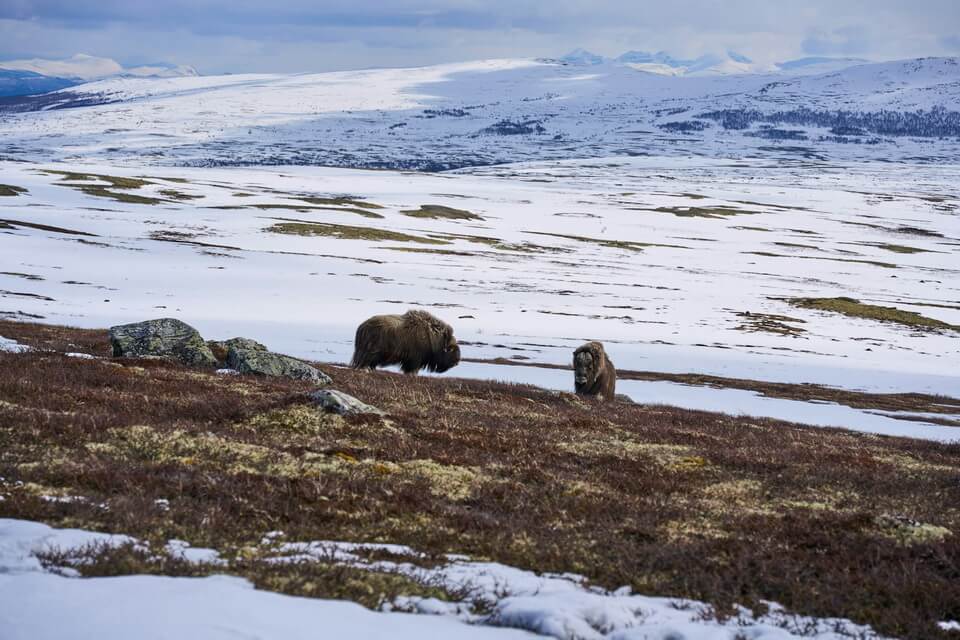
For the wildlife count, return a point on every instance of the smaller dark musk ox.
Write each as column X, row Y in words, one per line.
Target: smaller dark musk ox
column 416, row 340
column 593, row 372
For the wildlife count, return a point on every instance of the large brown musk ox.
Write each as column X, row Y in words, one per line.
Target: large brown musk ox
column 416, row 340
column 593, row 372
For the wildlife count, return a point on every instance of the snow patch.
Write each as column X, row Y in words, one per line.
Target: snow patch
column 39, row 604
column 12, row 346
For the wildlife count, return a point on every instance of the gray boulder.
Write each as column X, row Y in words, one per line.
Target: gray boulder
column 259, row 361
column 339, row 402
column 221, row 348
column 164, row 338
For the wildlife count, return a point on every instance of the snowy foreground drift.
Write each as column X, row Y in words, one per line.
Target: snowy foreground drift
column 38, row 603
column 677, row 265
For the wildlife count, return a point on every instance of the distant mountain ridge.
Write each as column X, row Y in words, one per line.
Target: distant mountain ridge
column 38, row 75
column 729, row 63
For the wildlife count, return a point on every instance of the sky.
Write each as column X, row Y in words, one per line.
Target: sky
column 219, row 36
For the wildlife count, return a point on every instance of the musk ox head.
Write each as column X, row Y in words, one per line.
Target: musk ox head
column 444, row 352
column 593, row 372
column 416, row 340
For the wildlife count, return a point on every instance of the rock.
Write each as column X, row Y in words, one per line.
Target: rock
column 164, row 338
column 343, row 404
column 221, row 348
column 263, row 363
column 623, row 398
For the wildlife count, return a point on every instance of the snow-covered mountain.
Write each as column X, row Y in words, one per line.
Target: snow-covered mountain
column 663, row 63
column 815, row 65
column 37, row 75
column 728, row 63
column 494, row 111
column 24, row 83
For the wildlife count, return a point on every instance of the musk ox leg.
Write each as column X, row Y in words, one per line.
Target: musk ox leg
column 411, row 367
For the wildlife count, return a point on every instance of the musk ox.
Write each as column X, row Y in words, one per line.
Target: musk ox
column 416, row 340
column 593, row 372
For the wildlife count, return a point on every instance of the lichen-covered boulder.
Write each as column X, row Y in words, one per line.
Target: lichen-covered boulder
column 263, row 363
column 163, row 338
column 221, row 348
column 339, row 402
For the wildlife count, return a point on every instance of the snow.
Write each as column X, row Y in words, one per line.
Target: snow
column 732, row 401
column 949, row 625
column 12, row 346
column 42, row 606
column 438, row 116
column 39, row 605
column 182, row 549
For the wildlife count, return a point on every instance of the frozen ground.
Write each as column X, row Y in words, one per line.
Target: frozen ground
column 36, row 604
column 659, row 258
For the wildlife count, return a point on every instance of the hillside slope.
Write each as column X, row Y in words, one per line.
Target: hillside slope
column 666, row 501
column 494, row 111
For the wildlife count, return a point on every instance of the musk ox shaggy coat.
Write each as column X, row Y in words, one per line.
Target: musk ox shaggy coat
column 416, row 340
column 593, row 372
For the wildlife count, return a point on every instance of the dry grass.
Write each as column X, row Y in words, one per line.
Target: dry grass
column 669, row 501
column 345, row 232
column 856, row 309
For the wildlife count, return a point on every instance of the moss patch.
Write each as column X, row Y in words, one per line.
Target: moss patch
column 440, row 211
column 340, row 202
column 77, row 180
column 704, row 212
column 612, row 244
column 438, row 252
column 856, row 309
column 300, row 207
column 769, row 323
column 900, row 248
column 173, row 194
column 10, row 190
column 346, row 232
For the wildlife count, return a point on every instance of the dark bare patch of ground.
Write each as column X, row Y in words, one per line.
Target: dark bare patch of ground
column 670, row 501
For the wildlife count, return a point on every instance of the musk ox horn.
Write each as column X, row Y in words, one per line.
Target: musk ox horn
column 415, row 340
column 593, row 372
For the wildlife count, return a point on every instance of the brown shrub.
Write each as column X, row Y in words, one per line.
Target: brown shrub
column 670, row 501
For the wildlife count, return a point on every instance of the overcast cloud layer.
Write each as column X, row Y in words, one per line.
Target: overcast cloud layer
column 302, row 35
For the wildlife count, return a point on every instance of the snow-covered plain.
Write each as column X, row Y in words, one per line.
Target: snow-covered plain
column 36, row 604
column 477, row 113
column 561, row 252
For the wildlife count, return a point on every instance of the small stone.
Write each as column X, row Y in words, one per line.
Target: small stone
column 167, row 338
column 339, row 402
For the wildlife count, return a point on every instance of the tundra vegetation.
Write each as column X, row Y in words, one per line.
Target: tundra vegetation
column 670, row 501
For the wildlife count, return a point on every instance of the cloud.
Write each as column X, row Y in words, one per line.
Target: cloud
column 305, row 35
column 845, row 41
column 78, row 66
